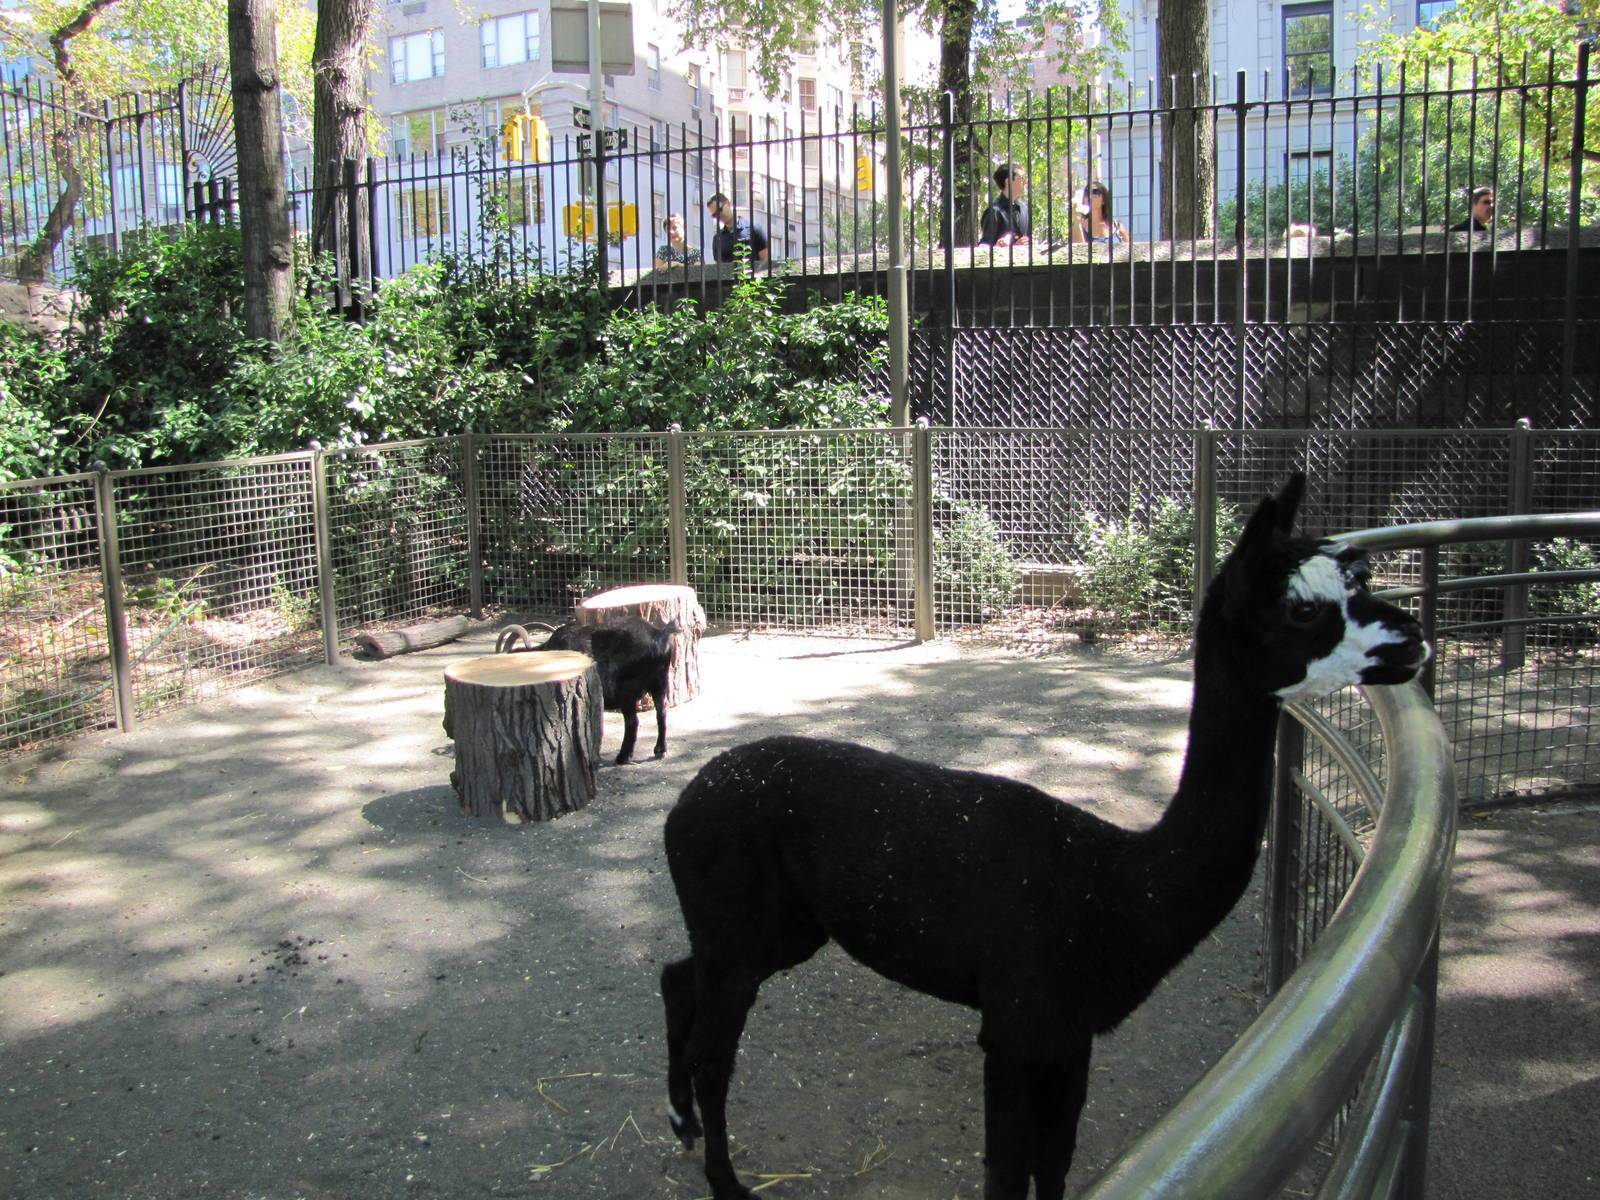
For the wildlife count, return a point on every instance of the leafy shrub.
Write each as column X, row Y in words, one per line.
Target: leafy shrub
column 1141, row 563
column 1575, row 599
column 32, row 371
column 974, row 572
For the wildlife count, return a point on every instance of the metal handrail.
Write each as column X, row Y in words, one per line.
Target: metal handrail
column 1473, row 529
column 1244, row 1128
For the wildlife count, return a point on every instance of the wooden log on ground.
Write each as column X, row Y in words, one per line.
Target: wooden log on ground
column 413, row 637
column 527, row 733
column 658, row 603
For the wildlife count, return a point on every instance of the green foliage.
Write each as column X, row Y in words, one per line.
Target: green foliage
column 1141, row 561
column 1580, row 598
column 32, row 373
column 974, row 571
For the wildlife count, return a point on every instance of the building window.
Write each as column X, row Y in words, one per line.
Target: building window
column 733, row 67
column 424, row 213
column 811, row 154
column 416, row 56
column 739, row 127
column 420, row 133
column 1429, row 11
column 169, row 186
column 836, row 98
column 521, row 200
column 652, row 60
column 694, row 84
column 807, row 47
column 508, row 41
column 808, row 95
column 1308, row 49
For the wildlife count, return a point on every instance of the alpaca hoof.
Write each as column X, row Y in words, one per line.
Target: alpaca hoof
column 623, row 759
column 685, row 1130
column 661, row 751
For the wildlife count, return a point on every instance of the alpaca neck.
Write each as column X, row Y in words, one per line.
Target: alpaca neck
column 1197, row 861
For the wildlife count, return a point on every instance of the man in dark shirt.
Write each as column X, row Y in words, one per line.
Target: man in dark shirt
column 1006, row 221
column 1480, row 214
column 733, row 230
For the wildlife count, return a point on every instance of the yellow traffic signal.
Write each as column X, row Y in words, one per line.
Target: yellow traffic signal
column 540, row 136
column 864, row 173
column 622, row 220
column 513, row 139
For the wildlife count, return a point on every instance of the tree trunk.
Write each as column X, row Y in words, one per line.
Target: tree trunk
column 388, row 643
column 263, row 201
column 955, row 77
column 1183, row 35
column 34, row 262
column 339, row 131
column 527, row 733
column 658, row 604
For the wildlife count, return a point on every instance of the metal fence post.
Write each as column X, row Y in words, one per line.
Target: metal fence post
column 677, row 509
column 947, row 223
column 1429, row 613
column 922, row 528
column 352, row 241
column 1205, row 512
column 1283, row 851
column 325, row 579
column 470, row 489
column 1569, row 328
column 105, row 509
column 1514, row 641
column 1240, row 293
column 1419, row 1097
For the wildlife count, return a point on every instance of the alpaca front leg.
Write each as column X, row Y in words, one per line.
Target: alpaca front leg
column 1057, row 1097
column 630, row 731
column 677, row 997
column 721, row 1007
column 659, row 698
column 1008, row 1128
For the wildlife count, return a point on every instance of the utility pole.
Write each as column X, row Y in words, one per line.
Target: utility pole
column 597, row 130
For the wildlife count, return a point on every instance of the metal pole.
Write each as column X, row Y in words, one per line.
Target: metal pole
column 1283, row 851
column 1419, row 1100
column 105, row 508
column 899, row 335
column 1569, row 334
column 947, row 217
column 352, row 241
column 1205, row 512
column 325, row 578
column 1239, row 293
column 597, row 122
column 470, row 487
column 1514, row 641
column 1430, row 613
column 677, row 509
column 922, row 529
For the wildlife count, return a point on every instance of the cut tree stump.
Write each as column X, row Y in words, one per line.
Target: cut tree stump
column 658, row 603
column 527, row 733
column 413, row 637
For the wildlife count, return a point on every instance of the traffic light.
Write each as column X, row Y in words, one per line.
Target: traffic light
column 539, row 136
column 864, row 173
column 513, row 138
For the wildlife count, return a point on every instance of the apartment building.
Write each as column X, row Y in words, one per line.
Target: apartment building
column 451, row 77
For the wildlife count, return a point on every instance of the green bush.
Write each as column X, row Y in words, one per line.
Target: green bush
column 1141, row 562
column 32, row 374
column 1576, row 599
column 974, row 572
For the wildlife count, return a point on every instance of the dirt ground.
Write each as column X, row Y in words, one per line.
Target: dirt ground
column 253, row 950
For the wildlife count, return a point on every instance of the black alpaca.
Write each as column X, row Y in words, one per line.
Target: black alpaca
column 981, row 891
column 632, row 656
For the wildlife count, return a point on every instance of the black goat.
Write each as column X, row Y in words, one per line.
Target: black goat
column 632, row 656
column 1052, row 923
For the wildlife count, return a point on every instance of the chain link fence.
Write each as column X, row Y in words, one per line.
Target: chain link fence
column 1036, row 539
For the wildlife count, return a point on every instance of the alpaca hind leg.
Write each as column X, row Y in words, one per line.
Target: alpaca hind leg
column 677, row 996
column 658, row 697
column 1008, row 1128
column 722, row 1003
column 630, row 731
column 1058, row 1093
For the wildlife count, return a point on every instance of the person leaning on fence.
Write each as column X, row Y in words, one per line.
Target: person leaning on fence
column 675, row 251
column 733, row 231
column 1094, row 221
column 1006, row 221
column 1480, row 211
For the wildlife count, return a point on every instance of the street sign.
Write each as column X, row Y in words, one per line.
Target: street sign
column 580, row 117
column 614, row 140
column 569, row 38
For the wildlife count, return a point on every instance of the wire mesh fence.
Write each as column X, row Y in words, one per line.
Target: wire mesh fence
column 1036, row 539
column 56, row 675
column 218, row 566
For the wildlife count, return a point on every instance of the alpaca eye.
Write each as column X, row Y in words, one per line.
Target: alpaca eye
column 1304, row 612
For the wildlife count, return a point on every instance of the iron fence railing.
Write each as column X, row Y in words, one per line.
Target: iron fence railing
column 125, row 592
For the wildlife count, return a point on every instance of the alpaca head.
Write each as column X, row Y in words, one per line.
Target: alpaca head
column 1300, row 621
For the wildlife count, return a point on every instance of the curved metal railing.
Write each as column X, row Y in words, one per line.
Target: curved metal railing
column 1357, row 1013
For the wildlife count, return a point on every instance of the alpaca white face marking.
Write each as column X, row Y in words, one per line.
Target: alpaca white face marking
column 1323, row 579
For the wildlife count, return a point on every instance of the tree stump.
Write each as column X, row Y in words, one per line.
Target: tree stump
column 527, row 733
column 658, row 603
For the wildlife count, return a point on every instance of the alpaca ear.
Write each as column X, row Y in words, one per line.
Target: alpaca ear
column 1288, row 500
column 1258, row 530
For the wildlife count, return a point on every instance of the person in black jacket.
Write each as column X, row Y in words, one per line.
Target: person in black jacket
column 733, row 230
column 1480, row 213
column 1006, row 221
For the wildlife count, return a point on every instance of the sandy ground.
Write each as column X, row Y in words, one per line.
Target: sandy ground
column 253, row 950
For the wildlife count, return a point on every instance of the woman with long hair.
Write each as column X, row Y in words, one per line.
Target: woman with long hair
column 1095, row 222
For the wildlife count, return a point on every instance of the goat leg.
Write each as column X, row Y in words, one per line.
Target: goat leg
column 677, row 997
column 630, row 731
column 659, row 697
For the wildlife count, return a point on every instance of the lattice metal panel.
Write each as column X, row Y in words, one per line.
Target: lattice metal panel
column 219, row 571
column 1097, row 526
column 566, row 517
column 398, row 518
column 55, row 674
column 802, row 530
